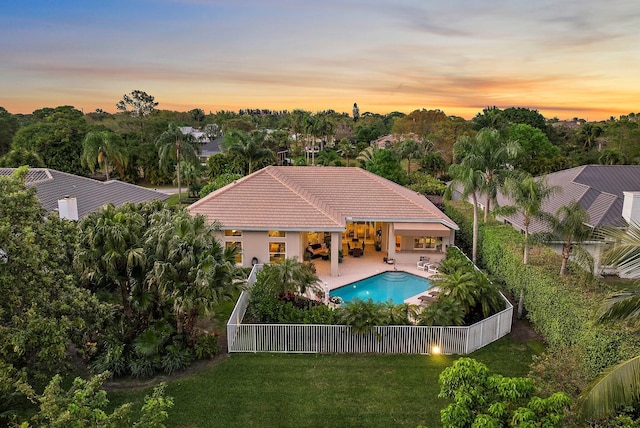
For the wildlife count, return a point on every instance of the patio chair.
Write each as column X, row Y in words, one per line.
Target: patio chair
column 356, row 252
column 423, row 263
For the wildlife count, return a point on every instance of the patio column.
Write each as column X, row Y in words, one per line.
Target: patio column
column 336, row 246
column 391, row 243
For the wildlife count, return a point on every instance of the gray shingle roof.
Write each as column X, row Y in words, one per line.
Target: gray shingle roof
column 52, row 185
column 598, row 188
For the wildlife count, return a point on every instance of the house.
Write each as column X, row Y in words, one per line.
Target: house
column 207, row 146
column 278, row 211
column 609, row 193
column 75, row 197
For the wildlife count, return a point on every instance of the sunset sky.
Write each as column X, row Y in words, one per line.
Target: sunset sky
column 563, row 58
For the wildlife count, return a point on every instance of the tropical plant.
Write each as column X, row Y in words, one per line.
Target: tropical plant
column 289, row 276
column 111, row 252
column 527, row 195
column 399, row 314
column 174, row 145
column 482, row 399
column 102, row 146
column 570, row 225
column 191, row 269
column 85, row 404
column 248, row 147
column 362, row 315
column 409, row 149
column 346, row 149
column 618, row 385
column 444, row 311
column 490, row 153
column 470, row 179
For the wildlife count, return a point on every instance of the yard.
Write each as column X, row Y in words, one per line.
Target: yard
column 265, row 390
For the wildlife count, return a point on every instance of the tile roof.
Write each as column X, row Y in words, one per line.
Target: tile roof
column 52, row 185
column 598, row 188
column 323, row 198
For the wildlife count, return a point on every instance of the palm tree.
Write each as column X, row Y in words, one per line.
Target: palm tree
column 527, row 195
column 192, row 269
column 174, row 145
column 362, row 315
column 619, row 385
column 290, row 275
column 99, row 147
column 111, row 252
column 408, row 150
column 471, row 181
column 247, row 147
column 346, row 149
column 459, row 285
column 328, row 157
column 445, row 311
column 570, row 225
column 491, row 154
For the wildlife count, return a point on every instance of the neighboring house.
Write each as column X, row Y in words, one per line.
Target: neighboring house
column 391, row 139
column 609, row 193
column 206, row 146
column 75, row 197
column 277, row 212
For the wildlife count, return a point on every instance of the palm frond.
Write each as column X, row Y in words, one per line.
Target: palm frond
column 617, row 387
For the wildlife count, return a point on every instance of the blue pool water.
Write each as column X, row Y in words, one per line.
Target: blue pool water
column 392, row 285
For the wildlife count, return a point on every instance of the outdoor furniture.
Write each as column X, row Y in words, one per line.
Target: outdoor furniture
column 431, row 269
column 317, row 250
column 423, row 265
column 356, row 252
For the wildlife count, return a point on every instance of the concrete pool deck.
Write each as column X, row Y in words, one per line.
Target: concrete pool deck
column 370, row 263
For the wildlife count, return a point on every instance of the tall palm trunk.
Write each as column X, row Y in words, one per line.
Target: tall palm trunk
column 178, row 161
column 106, row 166
column 474, row 246
column 526, row 262
column 566, row 252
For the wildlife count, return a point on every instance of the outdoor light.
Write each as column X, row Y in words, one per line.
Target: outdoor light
column 435, row 350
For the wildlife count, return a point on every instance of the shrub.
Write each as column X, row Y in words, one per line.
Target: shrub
column 560, row 308
column 206, row 346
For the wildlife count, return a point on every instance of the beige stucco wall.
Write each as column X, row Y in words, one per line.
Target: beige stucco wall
column 256, row 244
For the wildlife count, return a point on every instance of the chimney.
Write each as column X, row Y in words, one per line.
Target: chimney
column 68, row 208
column 631, row 207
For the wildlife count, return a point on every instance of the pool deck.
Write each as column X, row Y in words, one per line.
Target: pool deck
column 370, row 263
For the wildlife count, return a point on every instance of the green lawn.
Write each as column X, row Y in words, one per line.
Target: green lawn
column 269, row 390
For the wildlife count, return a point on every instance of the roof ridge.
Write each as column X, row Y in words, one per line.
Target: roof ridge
column 223, row 189
column 319, row 203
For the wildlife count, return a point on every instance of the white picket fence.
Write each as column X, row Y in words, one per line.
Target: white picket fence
column 314, row 338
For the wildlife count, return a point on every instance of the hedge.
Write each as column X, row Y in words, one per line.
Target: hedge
column 560, row 308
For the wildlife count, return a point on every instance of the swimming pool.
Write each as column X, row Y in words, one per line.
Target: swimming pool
column 391, row 285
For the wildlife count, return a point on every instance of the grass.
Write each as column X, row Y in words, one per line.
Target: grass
column 293, row 390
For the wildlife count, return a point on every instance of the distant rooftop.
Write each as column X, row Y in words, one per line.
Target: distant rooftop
column 52, row 185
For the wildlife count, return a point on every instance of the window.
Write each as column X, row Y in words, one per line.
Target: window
column 238, row 245
column 232, row 232
column 277, row 234
column 277, row 252
column 423, row 242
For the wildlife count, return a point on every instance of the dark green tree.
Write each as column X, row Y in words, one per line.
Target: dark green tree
column 384, row 163
column 482, row 399
column 100, row 147
column 9, row 125
column 175, row 146
column 247, row 147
